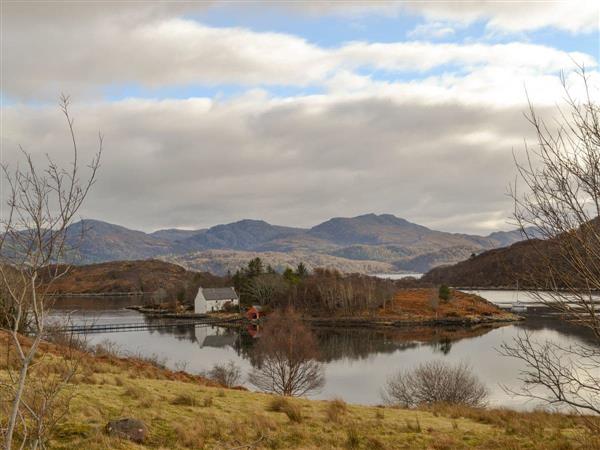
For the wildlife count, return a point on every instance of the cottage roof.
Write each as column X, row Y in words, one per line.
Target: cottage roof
column 227, row 293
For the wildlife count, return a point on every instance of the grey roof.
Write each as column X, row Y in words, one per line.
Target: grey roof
column 226, row 293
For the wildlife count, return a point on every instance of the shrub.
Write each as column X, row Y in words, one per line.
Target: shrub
column 444, row 293
column 435, row 382
column 284, row 405
column 228, row 374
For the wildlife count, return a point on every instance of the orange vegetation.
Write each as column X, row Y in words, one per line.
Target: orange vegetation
column 424, row 304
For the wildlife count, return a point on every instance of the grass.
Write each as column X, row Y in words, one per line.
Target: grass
column 186, row 412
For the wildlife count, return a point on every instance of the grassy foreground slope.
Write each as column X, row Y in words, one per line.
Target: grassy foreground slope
column 187, row 412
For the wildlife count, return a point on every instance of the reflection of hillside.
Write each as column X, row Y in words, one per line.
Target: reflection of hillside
column 537, row 322
column 336, row 343
column 100, row 303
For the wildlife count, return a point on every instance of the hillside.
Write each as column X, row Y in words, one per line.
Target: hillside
column 184, row 411
column 381, row 242
column 130, row 276
column 503, row 267
column 222, row 261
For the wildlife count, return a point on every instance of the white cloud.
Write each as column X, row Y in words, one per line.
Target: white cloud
column 574, row 16
column 88, row 59
column 431, row 30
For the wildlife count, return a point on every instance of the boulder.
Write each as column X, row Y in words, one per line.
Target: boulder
column 133, row 429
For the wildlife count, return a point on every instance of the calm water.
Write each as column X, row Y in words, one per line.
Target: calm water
column 398, row 276
column 357, row 362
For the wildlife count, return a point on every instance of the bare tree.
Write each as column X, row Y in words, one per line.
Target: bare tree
column 435, row 382
column 286, row 357
column 34, row 241
column 560, row 203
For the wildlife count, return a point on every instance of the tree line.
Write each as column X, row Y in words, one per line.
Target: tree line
column 320, row 290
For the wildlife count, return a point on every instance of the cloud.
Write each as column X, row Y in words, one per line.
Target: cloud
column 297, row 161
column 431, row 30
column 420, row 129
column 574, row 16
column 88, row 59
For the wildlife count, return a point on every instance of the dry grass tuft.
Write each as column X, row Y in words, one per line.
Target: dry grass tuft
column 135, row 391
column 185, row 399
column 352, row 438
column 285, row 405
column 336, row 410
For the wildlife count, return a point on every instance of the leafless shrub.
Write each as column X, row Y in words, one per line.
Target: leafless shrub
column 557, row 374
column 560, row 202
column 228, row 374
column 285, row 358
column 435, row 382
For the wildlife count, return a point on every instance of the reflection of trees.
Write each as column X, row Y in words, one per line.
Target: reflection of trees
column 444, row 346
column 285, row 358
column 338, row 343
column 359, row 343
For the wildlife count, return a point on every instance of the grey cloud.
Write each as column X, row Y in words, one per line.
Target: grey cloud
column 181, row 163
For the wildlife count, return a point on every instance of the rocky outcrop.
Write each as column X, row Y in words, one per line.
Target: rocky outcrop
column 127, row 428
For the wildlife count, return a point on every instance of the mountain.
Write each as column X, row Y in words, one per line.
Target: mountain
column 98, row 241
column 243, row 235
column 369, row 229
column 174, row 234
column 355, row 243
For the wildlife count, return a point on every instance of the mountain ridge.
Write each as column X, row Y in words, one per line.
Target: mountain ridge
column 398, row 243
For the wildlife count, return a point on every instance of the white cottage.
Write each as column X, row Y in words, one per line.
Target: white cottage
column 214, row 299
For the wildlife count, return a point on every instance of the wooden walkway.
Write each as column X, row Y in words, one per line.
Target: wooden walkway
column 100, row 294
column 134, row 326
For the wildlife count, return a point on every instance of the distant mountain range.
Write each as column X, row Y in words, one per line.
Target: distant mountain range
column 368, row 243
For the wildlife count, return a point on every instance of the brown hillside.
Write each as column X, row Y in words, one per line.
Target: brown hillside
column 524, row 262
column 132, row 276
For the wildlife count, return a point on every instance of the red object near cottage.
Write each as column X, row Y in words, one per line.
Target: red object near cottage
column 254, row 312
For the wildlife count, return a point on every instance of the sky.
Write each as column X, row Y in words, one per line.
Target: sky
column 291, row 112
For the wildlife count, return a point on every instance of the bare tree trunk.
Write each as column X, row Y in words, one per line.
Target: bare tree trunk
column 41, row 206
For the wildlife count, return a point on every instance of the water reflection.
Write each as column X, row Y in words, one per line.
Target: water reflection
column 357, row 361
